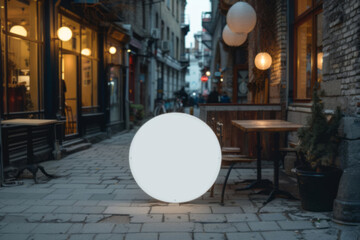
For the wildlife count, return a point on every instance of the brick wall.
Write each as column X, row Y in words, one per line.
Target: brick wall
column 341, row 44
column 278, row 69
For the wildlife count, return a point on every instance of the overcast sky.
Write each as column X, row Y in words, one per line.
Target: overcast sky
column 193, row 10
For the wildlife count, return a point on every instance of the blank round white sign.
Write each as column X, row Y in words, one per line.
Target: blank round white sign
column 175, row 157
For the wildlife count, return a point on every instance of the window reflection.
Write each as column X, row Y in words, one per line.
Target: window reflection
column 319, row 50
column 302, row 6
column 22, row 83
column 74, row 43
column 304, row 46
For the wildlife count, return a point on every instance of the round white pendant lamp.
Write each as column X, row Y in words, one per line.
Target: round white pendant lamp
column 86, row 52
column 112, row 50
column 175, row 157
column 233, row 39
column 64, row 34
column 19, row 30
column 263, row 61
column 241, row 18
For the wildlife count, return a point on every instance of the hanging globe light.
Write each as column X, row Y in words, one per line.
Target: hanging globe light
column 233, row 39
column 263, row 60
column 241, row 18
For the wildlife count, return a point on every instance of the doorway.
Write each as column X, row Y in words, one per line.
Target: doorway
column 116, row 94
column 69, row 89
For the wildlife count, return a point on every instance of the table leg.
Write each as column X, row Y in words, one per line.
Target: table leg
column 276, row 191
column 30, row 151
column 258, row 183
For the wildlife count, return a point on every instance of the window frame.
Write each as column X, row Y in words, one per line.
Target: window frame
column 83, row 110
column 311, row 13
column 39, row 41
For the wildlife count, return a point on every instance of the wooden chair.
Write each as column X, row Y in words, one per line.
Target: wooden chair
column 228, row 160
column 224, row 150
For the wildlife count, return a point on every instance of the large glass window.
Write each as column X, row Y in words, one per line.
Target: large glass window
column 83, row 45
column 302, row 6
column 303, row 61
column 21, row 45
column 308, row 48
column 89, row 65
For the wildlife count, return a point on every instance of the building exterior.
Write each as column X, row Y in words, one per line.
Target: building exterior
column 77, row 81
column 119, row 53
column 310, row 42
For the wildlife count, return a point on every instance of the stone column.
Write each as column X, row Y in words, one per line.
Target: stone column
column 347, row 202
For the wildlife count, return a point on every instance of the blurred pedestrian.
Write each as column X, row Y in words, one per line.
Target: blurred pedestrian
column 213, row 96
column 224, row 98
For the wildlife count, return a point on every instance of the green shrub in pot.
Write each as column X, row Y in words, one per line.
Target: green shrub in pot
column 318, row 177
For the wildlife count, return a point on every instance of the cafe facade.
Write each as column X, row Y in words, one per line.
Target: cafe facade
column 64, row 60
column 311, row 43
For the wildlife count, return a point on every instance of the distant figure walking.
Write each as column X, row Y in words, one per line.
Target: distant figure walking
column 213, row 96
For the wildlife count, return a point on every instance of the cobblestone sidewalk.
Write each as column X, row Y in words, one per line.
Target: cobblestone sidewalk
column 97, row 198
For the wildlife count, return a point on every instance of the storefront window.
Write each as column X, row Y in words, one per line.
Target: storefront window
column 89, row 71
column 319, row 50
column 21, row 44
column 74, row 43
column 304, row 43
column 308, row 49
column 302, row 6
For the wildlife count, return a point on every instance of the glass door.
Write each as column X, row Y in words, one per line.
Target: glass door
column 69, row 97
column 116, row 93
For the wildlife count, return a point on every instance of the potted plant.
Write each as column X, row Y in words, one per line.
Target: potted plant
column 318, row 177
column 136, row 113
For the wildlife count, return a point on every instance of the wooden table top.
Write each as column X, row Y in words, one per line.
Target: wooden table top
column 29, row 122
column 265, row 125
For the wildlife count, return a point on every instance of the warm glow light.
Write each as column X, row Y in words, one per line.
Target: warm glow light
column 204, row 78
column 64, row 34
column 129, row 50
column 241, row 18
column 208, row 73
column 86, row 52
column 112, row 50
column 19, row 30
column 320, row 56
column 221, row 79
column 175, row 157
column 233, row 39
column 263, row 61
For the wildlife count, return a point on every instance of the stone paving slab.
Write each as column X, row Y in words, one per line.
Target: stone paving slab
column 98, row 199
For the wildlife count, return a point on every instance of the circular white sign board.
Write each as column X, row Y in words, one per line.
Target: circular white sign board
column 175, row 157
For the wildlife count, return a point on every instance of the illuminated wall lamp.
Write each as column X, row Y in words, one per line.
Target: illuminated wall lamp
column 112, row 50
column 263, row 61
column 86, row 52
column 64, row 34
column 19, row 30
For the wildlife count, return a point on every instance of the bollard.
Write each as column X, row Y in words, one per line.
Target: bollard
column 191, row 110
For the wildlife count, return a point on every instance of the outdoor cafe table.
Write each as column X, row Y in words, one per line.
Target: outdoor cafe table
column 274, row 126
column 30, row 124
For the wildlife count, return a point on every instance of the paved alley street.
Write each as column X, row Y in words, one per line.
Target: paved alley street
column 96, row 198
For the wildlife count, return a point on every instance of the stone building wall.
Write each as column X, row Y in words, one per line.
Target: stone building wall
column 341, row 45
column 277, row 88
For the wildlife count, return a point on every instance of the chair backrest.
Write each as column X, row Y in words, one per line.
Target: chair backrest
column 219, row 132
column 211, row 123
